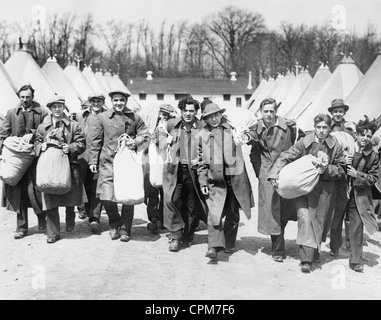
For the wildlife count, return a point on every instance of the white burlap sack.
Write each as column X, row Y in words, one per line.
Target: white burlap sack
column 53, row 172
column 17, row 156
column 128, row 177
column 156, row 164
column 298, row 178
column 346, row 140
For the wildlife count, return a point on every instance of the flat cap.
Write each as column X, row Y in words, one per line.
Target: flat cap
column 111, row 93
column 98, row 95
column 55, row 99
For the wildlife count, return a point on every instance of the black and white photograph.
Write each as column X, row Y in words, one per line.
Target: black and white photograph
column 190, row 155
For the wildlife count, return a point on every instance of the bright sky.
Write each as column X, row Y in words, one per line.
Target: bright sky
column 358, row 14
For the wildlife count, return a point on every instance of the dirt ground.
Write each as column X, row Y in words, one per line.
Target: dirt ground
column 87, row 267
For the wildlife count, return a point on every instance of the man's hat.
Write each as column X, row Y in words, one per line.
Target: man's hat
column 98, row 95
column 338, row 103
column 111, row 93
column 55, row 99
column 167, row 108
column 212, row 108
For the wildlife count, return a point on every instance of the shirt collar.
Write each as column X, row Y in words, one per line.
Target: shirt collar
column 279, row 122
column 35, row 108
column 311, row 137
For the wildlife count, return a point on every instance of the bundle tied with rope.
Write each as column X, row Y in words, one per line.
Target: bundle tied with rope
column 53, row 175
column 17, row 156
column 128, row 174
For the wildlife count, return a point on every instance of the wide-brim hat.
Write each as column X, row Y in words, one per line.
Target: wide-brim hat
column 98, row 95
column 338, row 103
column 212, row 108
column 55, row 99
column 111, row 93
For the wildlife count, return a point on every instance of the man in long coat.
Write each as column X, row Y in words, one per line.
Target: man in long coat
column 87, row 119
column 110, row 125
column 184, row 205
column 272, row 135
column 314, row 210
column 20, row 121
column 74, row 144
column 223, row 180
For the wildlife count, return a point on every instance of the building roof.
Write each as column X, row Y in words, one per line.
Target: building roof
column 194, row 86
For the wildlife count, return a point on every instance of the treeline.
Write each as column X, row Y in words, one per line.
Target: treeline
column 233, row 39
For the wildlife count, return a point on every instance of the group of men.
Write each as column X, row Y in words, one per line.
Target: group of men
column 204, row 176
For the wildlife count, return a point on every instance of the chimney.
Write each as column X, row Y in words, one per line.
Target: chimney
column 149, row 75
column 233, row 76
column 250, row 85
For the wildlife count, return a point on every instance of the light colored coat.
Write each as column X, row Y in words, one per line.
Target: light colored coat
column 108, row 127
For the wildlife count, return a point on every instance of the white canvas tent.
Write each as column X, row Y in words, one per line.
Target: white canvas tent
column 318, row 81
column 102, row 80
column 271, row 83
column 263, row 85
column 24, row 70
column 339, row 86
column 365, row 99
column 79, row 81
column 62, row 85
column 299, row 85
column 96, row 84
column 8, row 92
column 283, row 88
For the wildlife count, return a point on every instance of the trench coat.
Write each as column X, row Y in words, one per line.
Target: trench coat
column 172, row 216
column 367, row 167
column 218, row 156
column 74, row 137
column 109, row 126
column 321, row 199
column 14, row 125
column 266, row 146
column 87, row 121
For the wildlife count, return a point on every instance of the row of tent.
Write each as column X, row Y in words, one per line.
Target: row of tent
column 302, row 97
column 50, row 80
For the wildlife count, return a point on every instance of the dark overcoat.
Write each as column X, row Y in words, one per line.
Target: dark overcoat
column 109, row 126
column 320, row 199
column 16, row 123
column 267, row 145
column 218, row 156
column 366, row 164
column 172, row 216
column 74, row 137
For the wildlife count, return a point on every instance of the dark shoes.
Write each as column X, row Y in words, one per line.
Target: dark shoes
column 41, row 225
column 229, row 250
column 70, row 228
column 94, row 227
column 19, row 235
column 153, row 227
column 278, row 258
column 174, row 245
column 211, row 254
column 334, row 253
column 82, row 214
column 357, row 267
column 306, row 268
column 52, row 240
